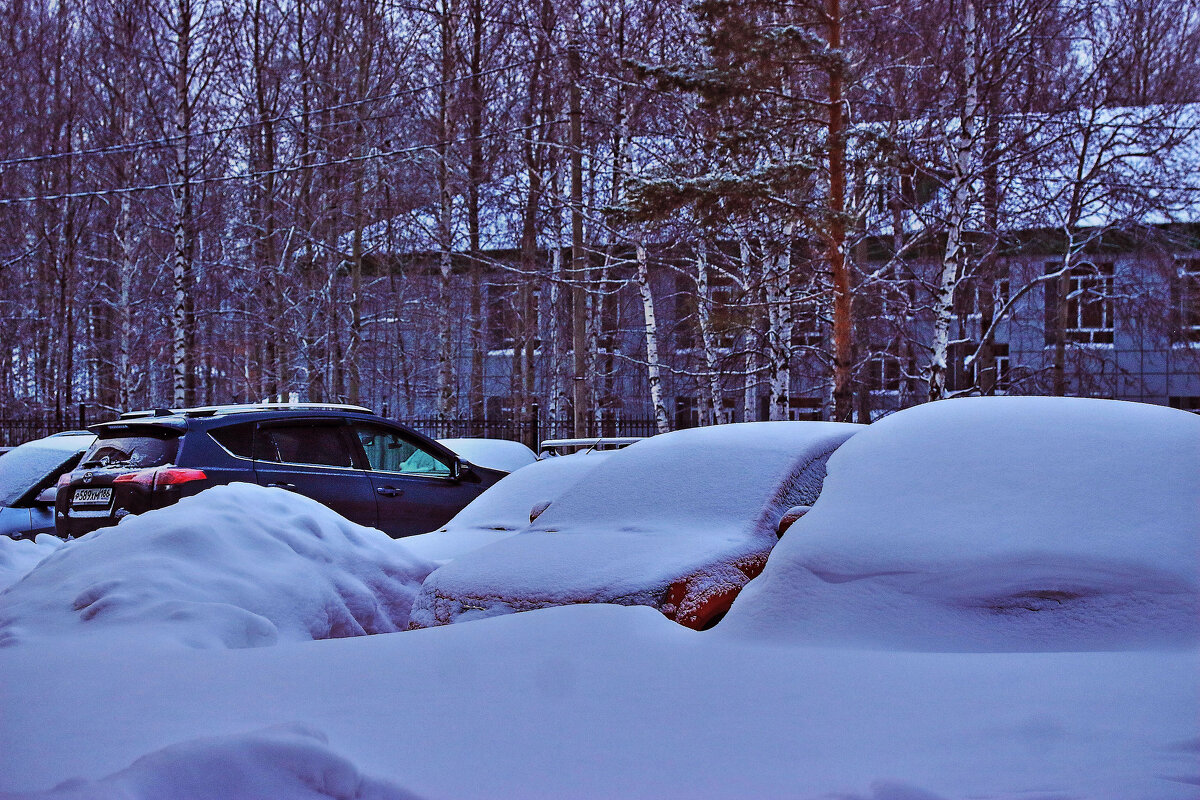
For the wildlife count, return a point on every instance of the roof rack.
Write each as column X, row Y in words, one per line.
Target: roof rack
column 244, row 408
column 555, row 447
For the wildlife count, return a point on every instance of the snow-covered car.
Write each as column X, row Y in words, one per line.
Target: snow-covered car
column 505, row 508
column 679, row 522
column 996, row 524
column 28, row 474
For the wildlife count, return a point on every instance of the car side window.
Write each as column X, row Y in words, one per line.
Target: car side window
column 388, row 451
column 318, row 445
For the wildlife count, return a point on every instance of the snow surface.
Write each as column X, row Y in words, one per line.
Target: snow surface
column 609, row 702
column 287, row 761
column 603, row 701
column 687, row 503
column 18, row 556
column 504, row 508
column 492, row 453
column 1018, row 523
column 234, row 566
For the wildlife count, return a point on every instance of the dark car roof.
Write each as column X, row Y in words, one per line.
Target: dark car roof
column 206, row 416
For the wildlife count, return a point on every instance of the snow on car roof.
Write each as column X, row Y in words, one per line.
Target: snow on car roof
column 657, row 509
column 996, row 523
column 492, row 453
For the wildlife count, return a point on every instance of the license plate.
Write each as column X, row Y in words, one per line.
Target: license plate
column 91, row 497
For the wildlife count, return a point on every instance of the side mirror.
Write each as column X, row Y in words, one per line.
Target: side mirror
column 537, row 510
column 462, row 472
column 47, row 496
column 789, row 518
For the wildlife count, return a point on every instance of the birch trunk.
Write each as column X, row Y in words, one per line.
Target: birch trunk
column 750, row 385
column 445, row 354
column 954, row 257
column 653, row 371
column 707, row 339
column 182, row 316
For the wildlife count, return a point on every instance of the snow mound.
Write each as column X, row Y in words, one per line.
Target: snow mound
column 234, row 566
column 290, row 761
column 996, row 524
column 18, row 556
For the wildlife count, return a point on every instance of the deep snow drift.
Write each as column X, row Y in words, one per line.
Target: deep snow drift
column 235, row 566
column 1018, row 523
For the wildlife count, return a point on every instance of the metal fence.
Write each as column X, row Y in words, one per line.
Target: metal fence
column 531, row 431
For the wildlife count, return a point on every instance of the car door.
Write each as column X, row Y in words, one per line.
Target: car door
column 315, row 458
column 415, row 485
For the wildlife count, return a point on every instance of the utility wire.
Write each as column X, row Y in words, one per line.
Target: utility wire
column 256, row 174
column 167, row 140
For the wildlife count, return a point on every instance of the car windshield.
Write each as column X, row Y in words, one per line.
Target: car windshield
column 33, row 463
column 131, row 451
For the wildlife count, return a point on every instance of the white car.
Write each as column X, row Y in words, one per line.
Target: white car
column 28, row 475
column 679, row 522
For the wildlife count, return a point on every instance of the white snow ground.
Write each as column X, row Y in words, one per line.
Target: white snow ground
column 615, row 702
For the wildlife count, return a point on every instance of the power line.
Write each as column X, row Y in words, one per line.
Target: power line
column 253, row 175
column 167, row 140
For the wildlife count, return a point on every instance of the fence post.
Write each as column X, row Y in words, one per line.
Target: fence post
column 535, row 425
column 82, row 416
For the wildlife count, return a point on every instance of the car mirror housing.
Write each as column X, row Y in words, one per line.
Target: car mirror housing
column 789, row 518
column 47, row 496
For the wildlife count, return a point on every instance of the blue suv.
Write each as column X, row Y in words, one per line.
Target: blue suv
column 368, row 469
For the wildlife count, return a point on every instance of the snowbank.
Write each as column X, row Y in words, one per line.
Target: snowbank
column 996, row 524
column 492, row 453
column 234, row 566
column 18, row 556
column 503, row 509
column 701, row 504
column 600, row 701
column 290, row 761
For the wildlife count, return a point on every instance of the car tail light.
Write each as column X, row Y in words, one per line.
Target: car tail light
column 63, row 480
column 165, row 476
column 173, row 476
column 143, row 477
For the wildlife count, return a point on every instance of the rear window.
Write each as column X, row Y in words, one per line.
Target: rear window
column 132, row 451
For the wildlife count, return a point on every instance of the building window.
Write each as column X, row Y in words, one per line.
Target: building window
column 501, row 317
column 970, row 366
column 882, row 373
column 970, row 293
column 1185, row 302
column 1191, row 404
column 804, row 408
column 1090, row 317
column 687, row 412
column 806, row 326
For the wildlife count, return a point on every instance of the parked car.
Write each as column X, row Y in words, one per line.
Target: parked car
column 369, row 470
column 679, row 521
column 505, row 508
column 28, row 476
